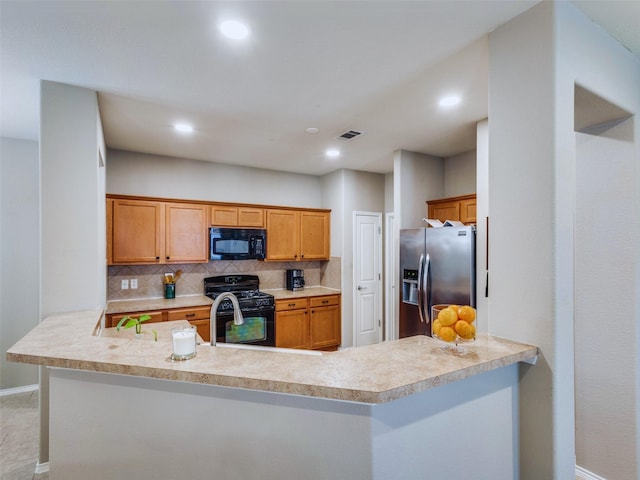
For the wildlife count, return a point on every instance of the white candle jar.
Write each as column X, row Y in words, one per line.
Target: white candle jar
column 184, row 343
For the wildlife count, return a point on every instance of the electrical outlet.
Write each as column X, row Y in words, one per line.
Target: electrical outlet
column 134, row 283
column 125, row 285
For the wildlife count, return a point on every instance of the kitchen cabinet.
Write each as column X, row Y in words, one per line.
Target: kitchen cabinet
column 324, row 322
column 308, row 322
column 111, row 320
column 462, row 208
column 138, row 228
column 146, row 231
column 237, row 216
column 109, row 231
column 292, row 323
column 196, row 316
column 186, row 238
column 294, row 235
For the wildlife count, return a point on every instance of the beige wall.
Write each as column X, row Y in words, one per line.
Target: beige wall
column 532, row 162
column 19, row 254
column 416, row 179
column 131, row 173
column 460, row 174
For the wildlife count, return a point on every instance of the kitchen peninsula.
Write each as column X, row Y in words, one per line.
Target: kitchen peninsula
column 400, row 409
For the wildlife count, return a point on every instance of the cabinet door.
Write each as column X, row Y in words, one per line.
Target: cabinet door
column 324, row 326
column 137, row 231
column 283, row 241
column 186, row 233
column 314, row 235
column 292, row 329
column 109, row 231
column 468, row 211
column 250, row 217
column 203, row 329
column 445, row 211
column 224, row 216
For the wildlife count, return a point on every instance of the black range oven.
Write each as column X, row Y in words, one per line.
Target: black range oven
column 258, row 309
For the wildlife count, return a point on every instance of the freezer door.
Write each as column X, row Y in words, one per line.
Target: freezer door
column 451, row 272
column 411, row 250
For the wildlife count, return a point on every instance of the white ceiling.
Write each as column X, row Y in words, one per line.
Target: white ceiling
column 374, row 66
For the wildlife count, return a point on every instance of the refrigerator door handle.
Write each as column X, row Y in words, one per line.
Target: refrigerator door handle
column 421, row 290
column 427, row 289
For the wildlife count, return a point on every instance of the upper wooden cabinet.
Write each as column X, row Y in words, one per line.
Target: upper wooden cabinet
column 186, row 239
column 461, row 208
column 294, row 235
column 314, row 235
column 138, row 231
column 154, row 230
column 231, row 216
column 157, row 232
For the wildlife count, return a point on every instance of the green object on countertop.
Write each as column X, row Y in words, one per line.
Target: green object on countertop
column 253, row 329
column 170, row 290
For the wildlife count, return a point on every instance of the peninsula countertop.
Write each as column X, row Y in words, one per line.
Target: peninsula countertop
column 372, row 374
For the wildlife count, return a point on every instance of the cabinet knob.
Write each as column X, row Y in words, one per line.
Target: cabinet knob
column 157, row 258
column 167, row 258
column 302, row 255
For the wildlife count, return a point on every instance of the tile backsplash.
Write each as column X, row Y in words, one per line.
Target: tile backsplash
column 272, row 275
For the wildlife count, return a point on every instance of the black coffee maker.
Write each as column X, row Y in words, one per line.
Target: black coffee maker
column 295, row 280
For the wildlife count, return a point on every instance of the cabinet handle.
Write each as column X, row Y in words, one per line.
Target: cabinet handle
column 302, row 255
column 325, row 301
column 189, row 315
column 167, row 258
column 291, row 305
column 157, row 258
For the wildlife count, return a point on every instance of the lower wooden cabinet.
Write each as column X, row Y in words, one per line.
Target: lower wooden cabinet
column 197, row 316
column 156, row 316
column 309, row 322
column 324, row 322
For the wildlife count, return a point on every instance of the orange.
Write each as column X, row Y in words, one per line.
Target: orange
column 447, row 334
column 467, row 313
column 455, row 307
column 447, row 317
column 465, row 330
column 435, row 328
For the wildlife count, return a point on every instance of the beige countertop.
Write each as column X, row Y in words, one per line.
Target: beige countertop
column 372, row 374
column 280, row 294
column 185, row 301
column 148, row 304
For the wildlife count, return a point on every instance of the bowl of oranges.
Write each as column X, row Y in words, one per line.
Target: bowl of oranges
column 454, row 324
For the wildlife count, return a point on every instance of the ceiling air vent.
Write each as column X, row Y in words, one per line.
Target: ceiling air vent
column 348, row 135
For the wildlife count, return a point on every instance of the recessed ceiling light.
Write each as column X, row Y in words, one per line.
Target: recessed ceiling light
column 183, row 128
column 311, row 130
column 234, row 29
column 449, row 101
column 332, row 153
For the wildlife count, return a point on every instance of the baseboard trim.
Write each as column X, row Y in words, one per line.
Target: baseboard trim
column 13, row 391
column 42, row 468
column 584, row 474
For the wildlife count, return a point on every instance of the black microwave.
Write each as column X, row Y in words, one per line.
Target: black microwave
column 237, row 243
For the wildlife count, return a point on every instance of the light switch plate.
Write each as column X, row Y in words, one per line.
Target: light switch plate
column 125, row 285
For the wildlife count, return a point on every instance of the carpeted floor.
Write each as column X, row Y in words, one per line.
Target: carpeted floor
column 19, row 437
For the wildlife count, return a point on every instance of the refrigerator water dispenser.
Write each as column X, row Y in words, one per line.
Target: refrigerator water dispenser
column 410, row 286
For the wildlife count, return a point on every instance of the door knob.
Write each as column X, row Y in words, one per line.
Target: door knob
column 359, row 287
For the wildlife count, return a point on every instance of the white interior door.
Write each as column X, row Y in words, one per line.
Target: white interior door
column 367, row 267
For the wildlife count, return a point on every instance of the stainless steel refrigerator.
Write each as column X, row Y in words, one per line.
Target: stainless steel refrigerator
column 437, row 266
